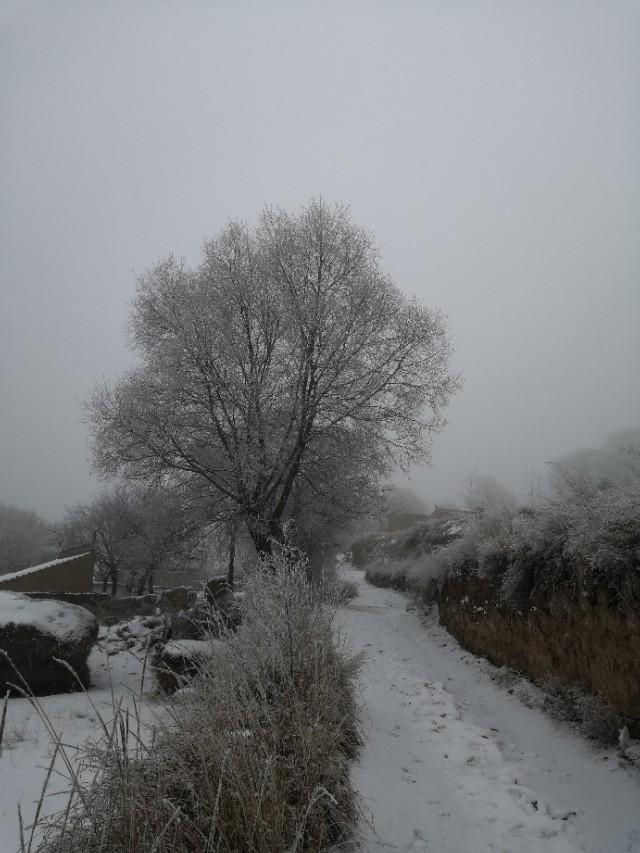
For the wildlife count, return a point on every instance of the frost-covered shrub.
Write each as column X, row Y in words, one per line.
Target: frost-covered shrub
column 584, row 539
column 591, row 714
column 253, row 757
column 480, row 549
column 423, row 538
column 413, row 559
column 388, row 573
column 603, row 541
column 338, row 591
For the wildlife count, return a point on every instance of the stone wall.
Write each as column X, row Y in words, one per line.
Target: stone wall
column 104, row 607
column 584, row 642
column 109, row 610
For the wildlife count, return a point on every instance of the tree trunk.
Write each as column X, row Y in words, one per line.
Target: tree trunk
column 114, row 582
column 232, row 558
column 265, row 535
column 263, row 544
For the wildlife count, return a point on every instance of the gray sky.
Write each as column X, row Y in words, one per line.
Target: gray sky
column 492, row 147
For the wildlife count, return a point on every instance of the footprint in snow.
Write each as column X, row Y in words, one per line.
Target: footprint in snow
column 419, row 842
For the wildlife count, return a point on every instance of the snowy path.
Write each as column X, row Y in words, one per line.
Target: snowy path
column 454, row 764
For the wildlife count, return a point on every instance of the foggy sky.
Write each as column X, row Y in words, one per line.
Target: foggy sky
column 491, row 147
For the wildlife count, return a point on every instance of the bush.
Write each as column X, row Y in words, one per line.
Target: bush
column 338, row 591
column 387, row 573
column 253, row 757
column 584, row 542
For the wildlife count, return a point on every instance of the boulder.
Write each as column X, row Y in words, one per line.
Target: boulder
column 217, row 588
column 224, row 600
column 138, row 634
column 205, row 620
column 33, row 633
column 180, row 598
column 194, row 624
column 177, row 662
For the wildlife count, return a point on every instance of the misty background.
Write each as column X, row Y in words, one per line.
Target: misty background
column 491, row 147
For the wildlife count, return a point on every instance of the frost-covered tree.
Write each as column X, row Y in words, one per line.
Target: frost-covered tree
column 287, row 347
column 103, row 522
column 487, row 494
column 25, row 539
column 136, row 531
column 327, row 500
column 595, row 468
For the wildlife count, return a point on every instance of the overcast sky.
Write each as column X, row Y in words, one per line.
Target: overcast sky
column 493, row 148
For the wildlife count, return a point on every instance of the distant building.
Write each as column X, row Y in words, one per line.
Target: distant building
column 441, row 512
column 396, row 521
column 71, row 572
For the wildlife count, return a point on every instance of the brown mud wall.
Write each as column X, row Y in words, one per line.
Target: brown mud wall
column 73, row 573
column 583, row 642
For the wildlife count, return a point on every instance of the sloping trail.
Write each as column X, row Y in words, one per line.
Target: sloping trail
column 454, row 764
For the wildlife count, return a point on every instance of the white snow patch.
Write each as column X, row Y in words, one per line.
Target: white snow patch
column 65, row 622
column 190, row 648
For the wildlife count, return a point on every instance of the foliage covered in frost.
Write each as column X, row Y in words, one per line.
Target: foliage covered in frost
column 584, row 538
column 286, row 370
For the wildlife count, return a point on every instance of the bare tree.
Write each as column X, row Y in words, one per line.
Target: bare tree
column 287, row 344
column 484, row 493
column 137, row 531
column 104, row 522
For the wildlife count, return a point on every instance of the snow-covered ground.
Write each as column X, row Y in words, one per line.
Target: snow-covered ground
column 27, row 747
column 454, row 763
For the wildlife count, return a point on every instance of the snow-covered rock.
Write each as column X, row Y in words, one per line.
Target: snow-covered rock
column 34, row 634
column 136, row 635
column 178, row 661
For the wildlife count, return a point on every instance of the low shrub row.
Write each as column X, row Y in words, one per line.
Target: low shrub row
column 583, row 542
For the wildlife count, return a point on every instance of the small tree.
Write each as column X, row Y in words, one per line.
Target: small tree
column 484, row 493
column 286, row 346
column 136, row 532
column 104, row 522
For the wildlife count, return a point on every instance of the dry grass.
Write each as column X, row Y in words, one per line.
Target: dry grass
column 254, row 756
column 591, row 714
column 338, row 591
